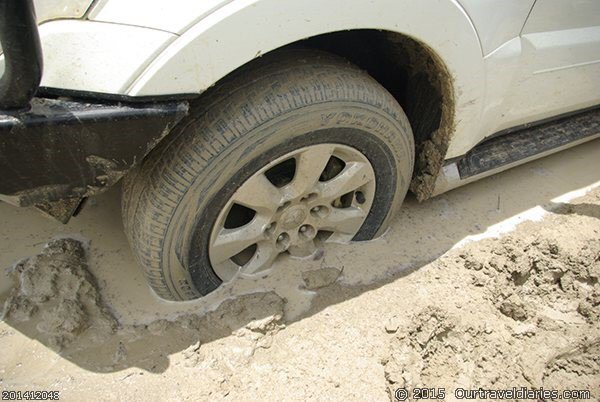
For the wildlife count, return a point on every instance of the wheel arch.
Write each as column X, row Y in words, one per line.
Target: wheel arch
column 417, row 78
column 444, row 60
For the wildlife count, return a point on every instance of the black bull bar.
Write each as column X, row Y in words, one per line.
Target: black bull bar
column 55, row 152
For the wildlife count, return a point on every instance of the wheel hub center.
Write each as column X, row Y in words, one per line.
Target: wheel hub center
column 293, row 217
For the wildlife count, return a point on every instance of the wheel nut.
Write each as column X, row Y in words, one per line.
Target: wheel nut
column 270, row 228
column 283, row 242
column 319, row 211
column 307, row 232
column 283, row 206
column 309, row 197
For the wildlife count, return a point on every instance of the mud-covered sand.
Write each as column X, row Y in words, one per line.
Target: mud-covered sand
column 493, row 286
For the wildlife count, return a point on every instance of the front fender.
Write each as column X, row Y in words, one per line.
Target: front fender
column 238, row 31
column 95, row 56
column 148, row 49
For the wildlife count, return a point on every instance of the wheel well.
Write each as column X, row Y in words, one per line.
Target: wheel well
column 419, row 81
column 414, row 75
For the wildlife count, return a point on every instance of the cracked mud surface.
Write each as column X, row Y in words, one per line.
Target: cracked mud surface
column 517, row 310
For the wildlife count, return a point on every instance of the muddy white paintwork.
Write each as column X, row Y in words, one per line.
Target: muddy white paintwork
column 512, row 61
column 551, row 68
column 560, row 61
column 46, row 10
column 96, row 56
column 242, row 30
column 172, row 16
column 496, row 21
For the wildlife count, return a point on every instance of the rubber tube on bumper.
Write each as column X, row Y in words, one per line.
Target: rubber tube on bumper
column 22, row 54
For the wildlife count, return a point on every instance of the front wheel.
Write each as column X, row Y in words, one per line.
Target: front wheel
column 303, row 148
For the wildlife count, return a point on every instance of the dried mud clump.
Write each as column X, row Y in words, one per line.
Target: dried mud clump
column 522, row 311
column 575, row 366
column 56, row 300
column 56, row 297
column 228, row 337
column 445, row 349
column 526, row 277
column 320, row 278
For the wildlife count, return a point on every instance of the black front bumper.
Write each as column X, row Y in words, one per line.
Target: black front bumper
column 53, row 152
column 60, row 152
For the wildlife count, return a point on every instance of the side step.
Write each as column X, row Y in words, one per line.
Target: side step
column 515, row 148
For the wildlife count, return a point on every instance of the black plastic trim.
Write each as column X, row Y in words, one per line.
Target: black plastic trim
column 536, row 123
column 50, row 92
column 522, row 127
column 532, row 140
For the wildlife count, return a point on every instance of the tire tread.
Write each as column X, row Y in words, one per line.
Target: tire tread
column 248, row 98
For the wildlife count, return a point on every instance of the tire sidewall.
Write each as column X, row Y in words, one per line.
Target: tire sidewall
column 384, row 139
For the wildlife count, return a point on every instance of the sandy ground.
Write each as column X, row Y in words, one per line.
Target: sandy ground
column 492, row 285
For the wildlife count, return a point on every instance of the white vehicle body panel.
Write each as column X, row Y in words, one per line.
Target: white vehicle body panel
column 497, row 22
column 96, row 56
column 548, row 67
column 46, row 10
column 242, row 30
column 500, row 54
column 175, row 16
column 560, row 62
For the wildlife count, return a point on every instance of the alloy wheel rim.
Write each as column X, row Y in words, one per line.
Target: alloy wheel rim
column 315, row 194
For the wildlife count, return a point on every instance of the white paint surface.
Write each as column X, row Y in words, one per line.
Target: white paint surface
column 95, row 56
column 497, row 22
column 244, row 29
column 46, row 10
column 551, row 68
column 173, row 16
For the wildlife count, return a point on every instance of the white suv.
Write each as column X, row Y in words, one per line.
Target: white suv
column 252, row 130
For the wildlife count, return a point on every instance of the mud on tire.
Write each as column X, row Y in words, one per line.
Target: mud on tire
column 283, row 102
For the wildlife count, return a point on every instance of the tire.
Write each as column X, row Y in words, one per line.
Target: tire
column 282, row 103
